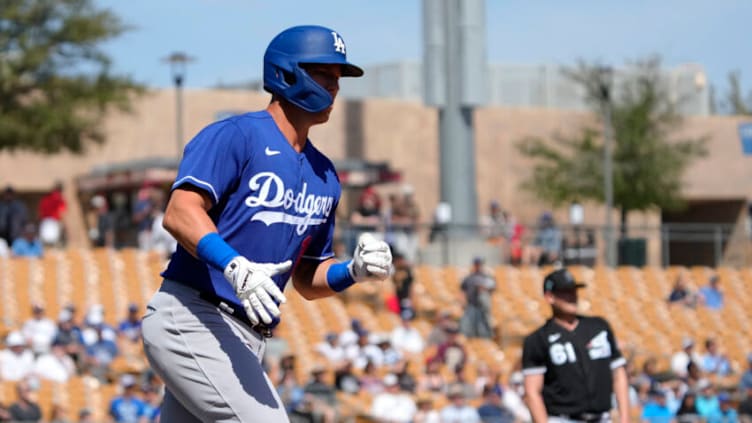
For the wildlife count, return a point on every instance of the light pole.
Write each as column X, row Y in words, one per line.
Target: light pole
column 606, row 77
column 178, row 62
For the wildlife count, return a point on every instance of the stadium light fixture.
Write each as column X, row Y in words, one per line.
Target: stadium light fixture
column 178, row 62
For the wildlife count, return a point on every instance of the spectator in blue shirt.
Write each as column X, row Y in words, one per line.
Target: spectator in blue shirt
column 713, row 362
column 28, row 244
column 711, row 295
column 727, row 412
column 707, row 402
column 656, row 410
column 127, row 407
column 746, row 380
column 130, row 327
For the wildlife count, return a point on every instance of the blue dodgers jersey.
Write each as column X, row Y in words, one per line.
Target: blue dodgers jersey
column 271, row 203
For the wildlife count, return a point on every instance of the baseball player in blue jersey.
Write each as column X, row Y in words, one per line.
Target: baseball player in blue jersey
column 252, row 206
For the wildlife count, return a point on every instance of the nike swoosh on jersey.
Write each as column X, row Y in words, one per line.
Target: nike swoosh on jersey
column 554, row 337
column 269, row 152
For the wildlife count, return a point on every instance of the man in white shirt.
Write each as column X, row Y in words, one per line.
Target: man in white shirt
column 680, row 360
column 56, row 365
column 39, row 331
column 393, row 405
column 330, row 349
column 405, row 338
column 16, row 361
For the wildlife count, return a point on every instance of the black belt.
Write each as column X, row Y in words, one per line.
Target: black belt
column 239, row 314
column 584, row 417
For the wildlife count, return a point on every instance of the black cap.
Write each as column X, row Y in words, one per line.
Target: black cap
column 560, row 280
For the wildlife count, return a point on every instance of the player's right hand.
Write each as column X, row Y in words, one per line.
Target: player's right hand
column 254, row 286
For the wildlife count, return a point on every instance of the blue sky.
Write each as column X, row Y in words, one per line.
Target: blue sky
column 228, row 37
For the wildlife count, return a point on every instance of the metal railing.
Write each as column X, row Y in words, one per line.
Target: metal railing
column 689, row 244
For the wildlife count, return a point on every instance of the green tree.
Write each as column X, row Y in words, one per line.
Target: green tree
column 648, row 158
column 56, row 84
column 735, row 101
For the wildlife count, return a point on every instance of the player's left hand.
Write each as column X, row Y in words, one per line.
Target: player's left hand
column 372, row 260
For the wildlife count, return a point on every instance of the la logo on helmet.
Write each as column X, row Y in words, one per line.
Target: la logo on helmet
column 339, row 44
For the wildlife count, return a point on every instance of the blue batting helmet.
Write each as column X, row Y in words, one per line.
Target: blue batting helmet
column 301, row 45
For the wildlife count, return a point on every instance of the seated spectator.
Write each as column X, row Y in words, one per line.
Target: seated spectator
column 546, row 247
column 389, row 356
column 457, row 410
column 432, row 380
column 26, row 408
column 512, row 397
column 707, row 402
column 345, row 379
column 655, row 409
column 492, row 409
column 370, row 380
column 55, row 365
column 39, row 330
column 28, row 244
column 681, row 292
column 713, row 362
column 695, row 378
column 727, row 411
column 292, row 396
column 711, row 295
column 451, row 352
column 95, row 327
column 127, row 407
column 69, row 335
column 405, row 337
column 152, row 402
column 351, row 335
column 746, row 380
column 330, row 349
column 646, row 381
column 680, row 360
column 392, row 405
column 322, row 395
column 438, row 334
column 16, row 360
column 425, row 412
column 99, row 357
column 130, row 327
column 364, row 352
column 407, row 381
column 687, row 412
column 745, row 406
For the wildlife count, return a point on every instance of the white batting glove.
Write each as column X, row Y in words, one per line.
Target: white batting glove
column 372, row 259
column 254, row 286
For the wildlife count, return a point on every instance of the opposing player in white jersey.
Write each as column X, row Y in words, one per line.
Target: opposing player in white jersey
column 253, row 206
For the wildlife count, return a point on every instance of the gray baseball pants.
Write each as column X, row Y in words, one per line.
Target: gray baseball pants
column 209, row 361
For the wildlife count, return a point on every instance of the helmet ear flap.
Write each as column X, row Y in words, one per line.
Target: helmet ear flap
column 306, row 93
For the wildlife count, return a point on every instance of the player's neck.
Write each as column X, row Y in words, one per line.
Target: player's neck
column 293, row 124
column 567, row 321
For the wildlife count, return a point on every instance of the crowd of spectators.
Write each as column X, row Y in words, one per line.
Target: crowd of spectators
column 46, row 350
column 382, row 366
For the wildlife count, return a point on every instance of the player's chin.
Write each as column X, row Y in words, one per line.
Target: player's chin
column 322, row 116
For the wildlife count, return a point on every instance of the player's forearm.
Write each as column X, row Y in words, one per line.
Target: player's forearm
column 310, row 279
column 621, row 391
column 534, row 402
